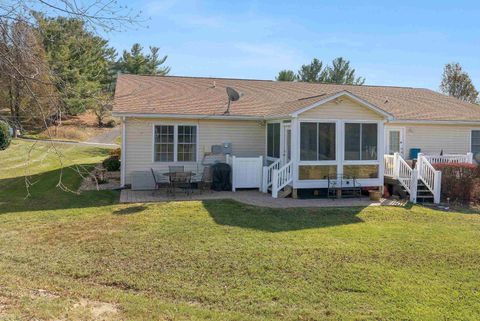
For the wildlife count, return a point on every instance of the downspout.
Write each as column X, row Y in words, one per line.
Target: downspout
column 123, row 153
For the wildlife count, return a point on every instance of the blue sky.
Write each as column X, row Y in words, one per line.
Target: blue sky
column 403, row 43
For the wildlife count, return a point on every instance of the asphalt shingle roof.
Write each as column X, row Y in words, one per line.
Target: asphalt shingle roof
column 261, row 98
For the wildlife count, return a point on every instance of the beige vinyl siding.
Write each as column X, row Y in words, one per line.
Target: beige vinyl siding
column 435, row 138
column 344, row 108
column 247, row 138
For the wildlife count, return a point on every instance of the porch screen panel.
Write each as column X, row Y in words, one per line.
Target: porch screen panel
column 361, row 141
column 326, row 141
column 308, row 141
column 369, row 141
column 273, row 140
column 164, row 143
column 352, row 141
column 187, row 144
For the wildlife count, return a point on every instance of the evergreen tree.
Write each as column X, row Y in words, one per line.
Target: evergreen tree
column 286, row 75
column 81, row 61
column 341, row 73
column 312, row 72
column 138, row 63
column 457, row 83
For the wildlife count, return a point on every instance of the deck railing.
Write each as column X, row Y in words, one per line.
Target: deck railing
column 450, row 158
column 281, row 177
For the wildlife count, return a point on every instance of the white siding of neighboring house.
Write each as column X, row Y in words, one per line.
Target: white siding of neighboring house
column 432, row 139
column 247, row 138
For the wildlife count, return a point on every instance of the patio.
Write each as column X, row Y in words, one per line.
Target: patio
column 251, row 197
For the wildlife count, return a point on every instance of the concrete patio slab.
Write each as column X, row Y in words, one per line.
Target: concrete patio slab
column 252, row 197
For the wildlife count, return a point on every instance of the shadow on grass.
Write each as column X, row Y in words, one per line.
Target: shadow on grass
column 232, row 213
column 46, row 195
column 130, row 210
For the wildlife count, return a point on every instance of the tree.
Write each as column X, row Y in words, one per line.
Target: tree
column 138, row 63
column 81, row 61
column 341, row 73
column 312, row 72
column 286, row 75
column 457, row 83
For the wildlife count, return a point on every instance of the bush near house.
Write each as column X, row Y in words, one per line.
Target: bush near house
column 459, row 181
column 112, row 164
column 4, row 136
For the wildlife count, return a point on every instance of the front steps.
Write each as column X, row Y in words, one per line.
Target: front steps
column 285, row 192
column 424, row 195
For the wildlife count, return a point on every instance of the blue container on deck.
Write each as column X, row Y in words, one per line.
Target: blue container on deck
column 414, row 153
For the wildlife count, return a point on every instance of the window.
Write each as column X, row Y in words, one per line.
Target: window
column 476, row 144
column 361, row 141
column 273, row 140
column 317, row 141
column 175, row 143
column 164, row 143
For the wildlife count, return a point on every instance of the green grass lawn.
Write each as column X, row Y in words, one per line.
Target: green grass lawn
column 83, row 257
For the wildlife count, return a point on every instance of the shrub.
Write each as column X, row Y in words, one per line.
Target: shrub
column 111, row 123
column 115, row 152
column 4, row 136
column 459, row 181
column 111, row 164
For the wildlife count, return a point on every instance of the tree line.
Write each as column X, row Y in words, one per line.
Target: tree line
column 60, row 65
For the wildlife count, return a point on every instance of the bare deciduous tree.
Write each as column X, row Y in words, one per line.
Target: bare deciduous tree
column 457, row 83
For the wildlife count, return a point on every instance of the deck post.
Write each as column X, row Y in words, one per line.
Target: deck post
column 437, row 187
column 265, row 179
column 396, row 165
column 275, row 183
column 233, row 174
column 470, row 158
column 414, row 186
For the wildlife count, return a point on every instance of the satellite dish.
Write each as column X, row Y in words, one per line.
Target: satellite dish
column 233, row 95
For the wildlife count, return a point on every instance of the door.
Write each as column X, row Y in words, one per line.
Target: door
column 395, row 141
column 287, row 144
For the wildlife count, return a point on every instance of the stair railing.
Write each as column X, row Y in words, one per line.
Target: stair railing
column 430, row 177
column 281, row 177
column 267, row 175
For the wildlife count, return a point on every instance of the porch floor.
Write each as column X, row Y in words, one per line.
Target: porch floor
column 251, row 197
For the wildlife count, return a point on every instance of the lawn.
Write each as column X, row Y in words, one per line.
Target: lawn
column 83, row 257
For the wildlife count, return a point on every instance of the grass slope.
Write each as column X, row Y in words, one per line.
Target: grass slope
column 64, row 256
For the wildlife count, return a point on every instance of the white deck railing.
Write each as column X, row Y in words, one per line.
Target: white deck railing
column 389, row 162
column 281, row 177
column 450, row 158
column 267, row 175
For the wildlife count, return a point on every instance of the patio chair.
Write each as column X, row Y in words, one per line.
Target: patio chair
column 157, row 182
column 206, row 180
column 351, row 187
column 333, row 186
column 181, row 180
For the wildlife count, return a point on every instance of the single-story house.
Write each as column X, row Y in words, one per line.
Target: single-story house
column 304, row 133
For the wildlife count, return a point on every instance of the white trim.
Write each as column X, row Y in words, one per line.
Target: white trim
column 186, row 116
column 123, row 154
column 350, row 95
column 435, row 122
column 403, row 136
column 175, row 143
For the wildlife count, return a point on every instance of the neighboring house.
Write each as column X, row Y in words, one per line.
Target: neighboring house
column 305, row 132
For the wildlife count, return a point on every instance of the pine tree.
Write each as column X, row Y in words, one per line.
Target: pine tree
column 136, row 62
column 286, row 75
column 457, row 83
column 341, row 73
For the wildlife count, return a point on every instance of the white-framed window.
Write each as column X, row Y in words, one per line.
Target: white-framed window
column 317, row 141
column 361, row 141
column 175, row 143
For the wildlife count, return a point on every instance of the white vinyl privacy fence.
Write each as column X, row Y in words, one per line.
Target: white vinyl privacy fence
column 246, row 172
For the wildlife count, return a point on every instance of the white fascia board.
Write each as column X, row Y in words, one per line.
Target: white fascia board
column 435, row 122
column 186, row 116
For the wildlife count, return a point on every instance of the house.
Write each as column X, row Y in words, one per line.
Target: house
column 303, row 133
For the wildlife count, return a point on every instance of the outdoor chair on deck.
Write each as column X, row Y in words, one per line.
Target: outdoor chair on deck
column 181, row 180
column 155, row 180
column 206, row 181
column 176, row 169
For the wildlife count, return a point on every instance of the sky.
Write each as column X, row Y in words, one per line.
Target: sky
column 398, row 43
